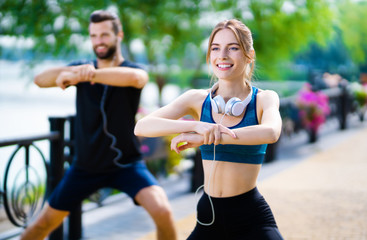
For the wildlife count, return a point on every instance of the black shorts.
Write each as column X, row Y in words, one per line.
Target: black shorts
column 78, row 184
column 243, row 217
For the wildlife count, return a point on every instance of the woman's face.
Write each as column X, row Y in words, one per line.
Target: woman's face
column 226, row 57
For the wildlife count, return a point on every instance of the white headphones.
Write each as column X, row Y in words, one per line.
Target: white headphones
column 234, row 106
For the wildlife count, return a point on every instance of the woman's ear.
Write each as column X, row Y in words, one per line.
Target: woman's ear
column 252, row 56
column 120, row 35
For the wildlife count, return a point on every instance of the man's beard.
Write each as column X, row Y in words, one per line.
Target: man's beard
column 108, row 55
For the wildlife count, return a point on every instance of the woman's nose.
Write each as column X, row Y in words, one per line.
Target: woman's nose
column 223, row 54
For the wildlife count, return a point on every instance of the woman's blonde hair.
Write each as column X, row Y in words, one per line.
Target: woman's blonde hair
column 244, row 38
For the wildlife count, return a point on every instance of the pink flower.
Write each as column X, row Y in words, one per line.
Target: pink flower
column 313, row 107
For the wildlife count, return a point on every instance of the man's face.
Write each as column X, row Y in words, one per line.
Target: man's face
column 104, row 40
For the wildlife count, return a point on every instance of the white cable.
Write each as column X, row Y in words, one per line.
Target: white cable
column 210, row 177
column 110, row 135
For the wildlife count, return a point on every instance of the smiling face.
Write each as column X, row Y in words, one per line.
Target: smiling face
column 226, row 57
column 230, row 50
column 104, row 40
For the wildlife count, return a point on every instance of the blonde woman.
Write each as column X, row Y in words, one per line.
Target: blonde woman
column 234, row 123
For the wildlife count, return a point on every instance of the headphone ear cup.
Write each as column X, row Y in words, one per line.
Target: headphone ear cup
column 234, row 107
column 218, row 104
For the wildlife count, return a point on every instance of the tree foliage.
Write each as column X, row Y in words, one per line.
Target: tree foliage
column 59, row 26
column 352, row 23
column 172, row 31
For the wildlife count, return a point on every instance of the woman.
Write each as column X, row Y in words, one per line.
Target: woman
column 235, row 122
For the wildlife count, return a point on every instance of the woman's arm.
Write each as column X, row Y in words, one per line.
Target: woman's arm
column 165, row 121
column 270, row 123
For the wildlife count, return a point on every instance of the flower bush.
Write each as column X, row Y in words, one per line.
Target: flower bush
column 313, row 108
column 360, row 93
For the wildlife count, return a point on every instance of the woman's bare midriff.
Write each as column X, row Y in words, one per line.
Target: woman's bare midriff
column 229, row 179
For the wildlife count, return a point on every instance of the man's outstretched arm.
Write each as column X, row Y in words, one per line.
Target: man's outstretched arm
column 114, row 76
column 48, row 77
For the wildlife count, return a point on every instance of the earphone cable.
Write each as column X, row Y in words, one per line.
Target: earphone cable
column 110, row 135
column 210, row 177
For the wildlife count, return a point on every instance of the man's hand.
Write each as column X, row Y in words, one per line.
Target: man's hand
column 75, row 74
column 84, row 72
column 66, row 79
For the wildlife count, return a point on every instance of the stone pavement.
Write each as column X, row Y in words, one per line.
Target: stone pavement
column 325, row 196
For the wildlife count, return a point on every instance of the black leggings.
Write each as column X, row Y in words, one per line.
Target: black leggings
column 243, row 217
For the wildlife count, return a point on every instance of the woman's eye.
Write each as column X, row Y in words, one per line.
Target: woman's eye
column 215, row 49
column 234, row 48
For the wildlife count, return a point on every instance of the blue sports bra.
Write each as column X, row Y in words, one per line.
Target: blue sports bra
column 253, row 154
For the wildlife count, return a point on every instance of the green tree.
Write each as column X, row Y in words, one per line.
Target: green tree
column 352, row 23
column 58, row 26
column 283, row 29
column 166, row 27
column 171, row 30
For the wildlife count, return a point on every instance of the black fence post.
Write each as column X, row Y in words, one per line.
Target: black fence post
column 343, row 101
column 56, row 164
column 75, row 217
column 271, row 153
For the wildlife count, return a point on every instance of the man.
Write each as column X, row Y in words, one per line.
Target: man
column 107, row 151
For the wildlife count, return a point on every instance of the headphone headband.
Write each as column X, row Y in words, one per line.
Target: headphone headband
column 233, row 107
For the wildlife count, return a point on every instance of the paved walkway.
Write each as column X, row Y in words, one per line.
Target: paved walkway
column 324, row 197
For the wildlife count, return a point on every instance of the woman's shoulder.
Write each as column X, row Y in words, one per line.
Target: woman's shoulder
column 266, row 96
column 265, row 93
column 203, row 92
column 195, row 94
column 193, row 100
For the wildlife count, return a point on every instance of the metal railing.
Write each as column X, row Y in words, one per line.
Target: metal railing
column 22, row 195
column 340, row 102
column 22, row 201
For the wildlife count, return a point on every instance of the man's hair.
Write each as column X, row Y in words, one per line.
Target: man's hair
column 102, row 15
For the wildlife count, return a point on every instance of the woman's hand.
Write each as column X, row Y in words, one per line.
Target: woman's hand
column 206, row 133
column 212, row 132
column 185, row 141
